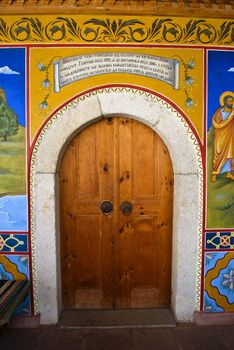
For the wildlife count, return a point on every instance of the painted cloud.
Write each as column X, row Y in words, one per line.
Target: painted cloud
column 231, row 69
column 7, row 70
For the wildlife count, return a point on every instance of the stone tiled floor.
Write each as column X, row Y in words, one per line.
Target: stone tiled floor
column 182, row 337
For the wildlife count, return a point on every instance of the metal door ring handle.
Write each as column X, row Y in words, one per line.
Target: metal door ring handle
column 106, row 207
column 126, row 208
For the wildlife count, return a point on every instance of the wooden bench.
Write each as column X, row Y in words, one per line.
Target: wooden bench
column 11, row 295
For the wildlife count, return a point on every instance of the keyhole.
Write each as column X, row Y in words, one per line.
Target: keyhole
column 105, row 168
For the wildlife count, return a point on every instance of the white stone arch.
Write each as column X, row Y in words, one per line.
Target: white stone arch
column 186, row 159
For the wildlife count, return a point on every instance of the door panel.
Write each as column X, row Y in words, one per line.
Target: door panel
column 116, row 260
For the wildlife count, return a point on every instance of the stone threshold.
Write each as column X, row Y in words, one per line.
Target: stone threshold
column 111, row 319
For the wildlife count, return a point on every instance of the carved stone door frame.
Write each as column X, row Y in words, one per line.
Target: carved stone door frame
column 185, row 154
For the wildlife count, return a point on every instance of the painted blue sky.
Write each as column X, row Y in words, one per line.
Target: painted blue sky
column 11, row 82
column 220, row 78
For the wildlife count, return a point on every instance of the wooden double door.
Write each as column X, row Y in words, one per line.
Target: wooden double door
column 116, row 199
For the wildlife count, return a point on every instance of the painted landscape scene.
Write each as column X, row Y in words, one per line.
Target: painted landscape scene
column 13, row 199
column 220, row 201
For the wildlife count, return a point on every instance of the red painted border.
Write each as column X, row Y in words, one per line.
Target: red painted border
column 18, row 253
column 28, row 175
column 220, row 229
column 202, row 281
column 122, row 45
column 227, row 250
column 13, row 232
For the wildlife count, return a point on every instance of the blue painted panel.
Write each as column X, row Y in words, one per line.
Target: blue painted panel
column 14, row 213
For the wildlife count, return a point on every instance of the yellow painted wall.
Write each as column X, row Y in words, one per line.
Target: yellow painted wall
column 46, row 55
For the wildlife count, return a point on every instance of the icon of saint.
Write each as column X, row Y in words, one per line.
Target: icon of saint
column 223, row 124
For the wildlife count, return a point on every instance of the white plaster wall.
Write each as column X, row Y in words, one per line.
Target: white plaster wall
column 166, row 122
column 46, row 243
column 185, row 245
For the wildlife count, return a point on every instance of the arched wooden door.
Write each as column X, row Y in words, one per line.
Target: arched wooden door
column 122, row 258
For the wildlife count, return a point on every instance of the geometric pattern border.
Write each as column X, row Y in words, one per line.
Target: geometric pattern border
column 219, row 240
column 13, row 243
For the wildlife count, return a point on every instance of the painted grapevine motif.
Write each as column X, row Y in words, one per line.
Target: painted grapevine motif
column 45, row 82
column 117, row 30
column 188, row 81
column 4, row 31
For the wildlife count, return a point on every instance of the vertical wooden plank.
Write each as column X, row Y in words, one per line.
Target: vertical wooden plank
column 86, row 180
column 107, row 174
column 125, row 230
column 143, row 156
column 165, row 227
column 87, row 266
column 67, row 225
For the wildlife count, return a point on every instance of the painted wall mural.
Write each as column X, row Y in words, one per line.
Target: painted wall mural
column 16, row 267
column 189, row 61
column 13, row 199
column 219, row 281
column 220, row 140
column 218, row 262
column 13, row 192
column 46, row 96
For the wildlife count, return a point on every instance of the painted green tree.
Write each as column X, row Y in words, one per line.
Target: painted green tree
column 8, row 121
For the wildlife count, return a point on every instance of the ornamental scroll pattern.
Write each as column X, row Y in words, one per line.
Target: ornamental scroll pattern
column 117, row 30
